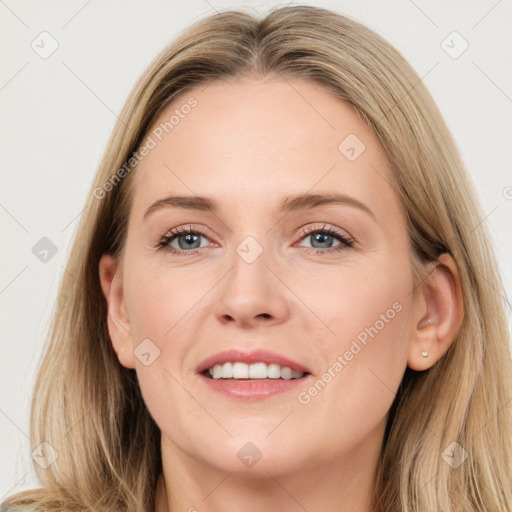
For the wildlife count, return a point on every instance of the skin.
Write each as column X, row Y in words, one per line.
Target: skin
column 247, row 144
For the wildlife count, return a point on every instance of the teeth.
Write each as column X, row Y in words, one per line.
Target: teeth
column 253, row 371
column 217, row 371
column 240, row 371
column 274, row 371
column 286, row 373
column 257, row 371
column 226, row 371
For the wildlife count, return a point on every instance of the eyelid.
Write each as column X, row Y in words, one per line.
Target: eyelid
column 185, row 229
column 322, row 226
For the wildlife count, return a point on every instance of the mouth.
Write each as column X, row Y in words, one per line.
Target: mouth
column 252, row 375
column 254, row 371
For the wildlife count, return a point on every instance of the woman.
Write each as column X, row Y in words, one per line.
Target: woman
column 281, row 294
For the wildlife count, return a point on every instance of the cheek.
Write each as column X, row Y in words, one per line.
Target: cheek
column 357, row 295
column 158, row 302
column 370, row 307
column 365, row 313
column 159, row 298
column 363, row 363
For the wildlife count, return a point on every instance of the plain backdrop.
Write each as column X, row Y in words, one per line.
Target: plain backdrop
column 58, row 110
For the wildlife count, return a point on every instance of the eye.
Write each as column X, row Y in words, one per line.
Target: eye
column 187, row 239
column 324, row 237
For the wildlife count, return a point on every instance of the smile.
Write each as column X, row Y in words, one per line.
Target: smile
column 256, row 371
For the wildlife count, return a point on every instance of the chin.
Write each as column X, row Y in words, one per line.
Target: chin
column 255, row 458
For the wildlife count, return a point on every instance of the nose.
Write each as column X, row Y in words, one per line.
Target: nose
column 251, row 295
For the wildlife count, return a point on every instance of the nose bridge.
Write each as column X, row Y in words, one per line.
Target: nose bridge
column 249, row 277
column 251, row 292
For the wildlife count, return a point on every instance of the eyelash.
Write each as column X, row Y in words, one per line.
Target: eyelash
column 346, row 242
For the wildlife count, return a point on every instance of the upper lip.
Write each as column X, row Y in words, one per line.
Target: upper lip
column 250, row 356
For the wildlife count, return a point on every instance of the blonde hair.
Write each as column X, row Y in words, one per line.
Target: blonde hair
column 89, row 408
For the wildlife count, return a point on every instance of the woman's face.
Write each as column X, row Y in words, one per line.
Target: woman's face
column 268, row 275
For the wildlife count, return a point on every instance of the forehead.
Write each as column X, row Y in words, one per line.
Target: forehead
column 250, row 139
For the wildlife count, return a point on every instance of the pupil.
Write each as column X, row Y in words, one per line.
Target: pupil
column 322, row 238
column 189, row 238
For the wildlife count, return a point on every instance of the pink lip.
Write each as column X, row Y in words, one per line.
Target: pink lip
column 253, row 356
column 251, row 390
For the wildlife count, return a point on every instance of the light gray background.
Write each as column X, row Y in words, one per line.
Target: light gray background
column 57, row 114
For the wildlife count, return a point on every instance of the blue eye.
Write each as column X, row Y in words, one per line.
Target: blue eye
column 326, row 235
column 187, row 239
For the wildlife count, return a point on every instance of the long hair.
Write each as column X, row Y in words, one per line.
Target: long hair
column 89, row 408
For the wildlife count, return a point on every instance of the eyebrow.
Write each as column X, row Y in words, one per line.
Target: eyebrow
column 287, row 204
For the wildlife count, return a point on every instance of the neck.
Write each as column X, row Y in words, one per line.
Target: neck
column 341, row 485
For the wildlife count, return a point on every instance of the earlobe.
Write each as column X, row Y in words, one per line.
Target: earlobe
column 438, row 314
column 117, row 318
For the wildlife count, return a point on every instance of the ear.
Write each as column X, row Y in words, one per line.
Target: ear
column 117, row 317
column 438, row 314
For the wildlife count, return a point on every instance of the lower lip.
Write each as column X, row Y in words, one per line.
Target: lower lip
column 253, row 389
